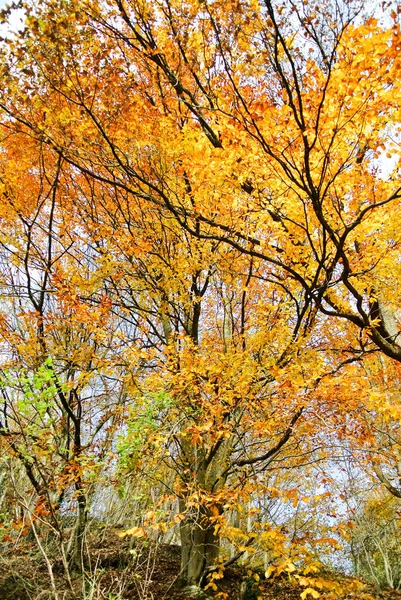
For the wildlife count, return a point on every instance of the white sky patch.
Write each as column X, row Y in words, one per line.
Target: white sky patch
column 16, row 21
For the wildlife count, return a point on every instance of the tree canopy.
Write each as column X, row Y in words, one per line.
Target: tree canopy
column 200, row 265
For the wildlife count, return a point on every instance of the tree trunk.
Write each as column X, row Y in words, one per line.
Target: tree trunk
column 75, row 550
column 199, row 546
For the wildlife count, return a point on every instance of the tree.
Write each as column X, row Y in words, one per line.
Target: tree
column 373, row 538
column 51, row 344
column 223, row 162
column 198, row 341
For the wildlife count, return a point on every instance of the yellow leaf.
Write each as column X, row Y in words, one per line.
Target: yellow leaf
column 310, row 591
column 270, row 571
column 178, row 518
column 211, row 585
column 310, row 569
column 290, row 568
column 134, row 532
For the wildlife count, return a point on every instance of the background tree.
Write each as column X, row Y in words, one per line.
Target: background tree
column 58, row 408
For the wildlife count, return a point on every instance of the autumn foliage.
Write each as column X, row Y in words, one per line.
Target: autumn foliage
column 200, row 274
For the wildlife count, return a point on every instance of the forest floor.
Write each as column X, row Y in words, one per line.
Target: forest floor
column 116, row 572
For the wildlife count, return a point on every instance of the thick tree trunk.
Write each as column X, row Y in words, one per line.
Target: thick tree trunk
column 200, row 544
column 199, row 547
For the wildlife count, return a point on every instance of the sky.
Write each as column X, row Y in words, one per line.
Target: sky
column 15, row 21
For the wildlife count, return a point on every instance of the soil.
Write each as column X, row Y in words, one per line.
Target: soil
column 118, row 570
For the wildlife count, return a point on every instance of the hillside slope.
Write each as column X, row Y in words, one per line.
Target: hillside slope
column 117, row 572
